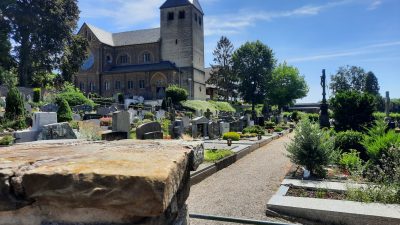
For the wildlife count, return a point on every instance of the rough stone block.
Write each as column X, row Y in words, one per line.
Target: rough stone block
column 26, row 136
column 147, row 128
column 124, row 182
column 57, row 131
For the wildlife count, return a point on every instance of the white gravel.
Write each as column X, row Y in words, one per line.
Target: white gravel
column 244, row 188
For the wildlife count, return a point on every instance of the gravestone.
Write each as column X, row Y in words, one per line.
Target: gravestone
column 200, row 127
column 43, row 118
column 25, row 136
column 49, row 108
column 104, row 111
column 57, row 131
column 76, row 117
column 177, row 129
column 121, row 121
column 160, row 114
column 3, row 101
column 224, row 128
column 213, row 130
column 208, row 114
column 236, row 126
column 186, row 121
column 132, row 115
column 82, row 108
column 28, row 107
column 149, row 131
column 261, row 121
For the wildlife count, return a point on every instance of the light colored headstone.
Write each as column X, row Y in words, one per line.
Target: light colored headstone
column 186, row 121
column 251, row 123
column 28, row 107
column 121, row 121
column 41, row 119
column 76, row 117
column 224, row 128
column 26, row 136
column 132, row 115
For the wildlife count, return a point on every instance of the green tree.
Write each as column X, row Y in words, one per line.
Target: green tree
column 43, row 79
column 253, row 63
column 6, row 61
column 348, row 78
column 222, row 75
column 352, row 110
column 287, row 86
column 371, row 85
column 176, row 94
column 40, row 30
column 64, row 113
column 75, row 53
column 15, row 109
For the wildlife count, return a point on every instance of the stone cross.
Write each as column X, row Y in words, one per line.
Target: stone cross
column 324, row 116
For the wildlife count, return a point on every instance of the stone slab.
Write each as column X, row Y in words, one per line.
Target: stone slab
column 335, row 186
column 26, row 136
column 128, row 181
column 43, row 118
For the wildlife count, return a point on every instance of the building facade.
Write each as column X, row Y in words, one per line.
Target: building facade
column 145, row 62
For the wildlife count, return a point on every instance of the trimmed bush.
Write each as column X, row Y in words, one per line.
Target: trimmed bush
column 176, row 94
column 6, row 140
column 254, row 130
column 311, row 147
column 314, row 117
column 215, row 155
column 351, row 161
column 121, row 98
column 15, row 108
column 352, row 110
column 231, row 135
column 347, row 140
column 36, row 95
column 64, row 113
column 74, row 96
column 269, row 125
column 295, row 116
column 278, row 129
column 149, row 116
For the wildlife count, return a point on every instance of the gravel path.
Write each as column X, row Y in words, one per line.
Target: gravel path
column 244, row 188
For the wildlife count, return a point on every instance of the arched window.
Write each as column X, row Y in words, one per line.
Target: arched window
column 107, row 85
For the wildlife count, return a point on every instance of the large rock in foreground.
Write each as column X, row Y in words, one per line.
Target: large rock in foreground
column 125, row 182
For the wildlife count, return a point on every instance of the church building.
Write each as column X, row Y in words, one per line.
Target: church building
column 145, row 62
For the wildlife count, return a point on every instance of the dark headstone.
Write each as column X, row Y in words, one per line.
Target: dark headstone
column 114, row 136
column 153, row 135
column 261, row 121
column 147, row 128
column 49, row 108
column 92, row 116
column 82, row 108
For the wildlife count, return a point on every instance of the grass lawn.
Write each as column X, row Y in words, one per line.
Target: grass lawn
column 214, row 106
column 215, row 155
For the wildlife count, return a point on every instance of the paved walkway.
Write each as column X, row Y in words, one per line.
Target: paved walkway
column 244, row 188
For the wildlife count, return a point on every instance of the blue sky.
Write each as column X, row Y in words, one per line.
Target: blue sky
column 311, row 35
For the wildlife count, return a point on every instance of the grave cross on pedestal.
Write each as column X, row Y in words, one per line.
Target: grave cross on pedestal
column 324, row 116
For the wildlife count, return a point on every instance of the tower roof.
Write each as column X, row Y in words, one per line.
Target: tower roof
column 176, row 3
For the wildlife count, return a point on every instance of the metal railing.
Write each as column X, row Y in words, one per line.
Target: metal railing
column 234, row 220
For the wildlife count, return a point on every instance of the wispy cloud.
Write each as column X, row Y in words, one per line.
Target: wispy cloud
column 122, row 13
column 352, row 52
column 375, row 4
column 237, row 22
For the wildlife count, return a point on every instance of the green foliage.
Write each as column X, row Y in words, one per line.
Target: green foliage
column 64, row 113
column 121, row 98
column 287, row 86
column 43, row 79
column 371, row 84
column 269, row 125
column 278, row 129
column 215, row 155
column 6, row 140
column 8, row 77
column 36, row 95
column 351, row 161
column 165, row 123
column 90, row 131
column 352, row 110
column 75, row 52
column 222, row 106
column 15, row 108
column 254, row 130
column 311, row 147
column 349, row 78
column 295, row 116
column 176, row 94
column 74, row 96
column 314, row 117
column 378, row 142
column 254, row 62
column 222, row 74
column 42, row 36
column 384, row 193
column 149, row 116
column 231, row 135
column 347, row 140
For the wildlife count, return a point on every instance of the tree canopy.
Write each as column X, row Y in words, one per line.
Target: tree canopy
column 287, row 86
column 222, row 75
column 41, row 30
column 353, row 78
column 253, row 63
